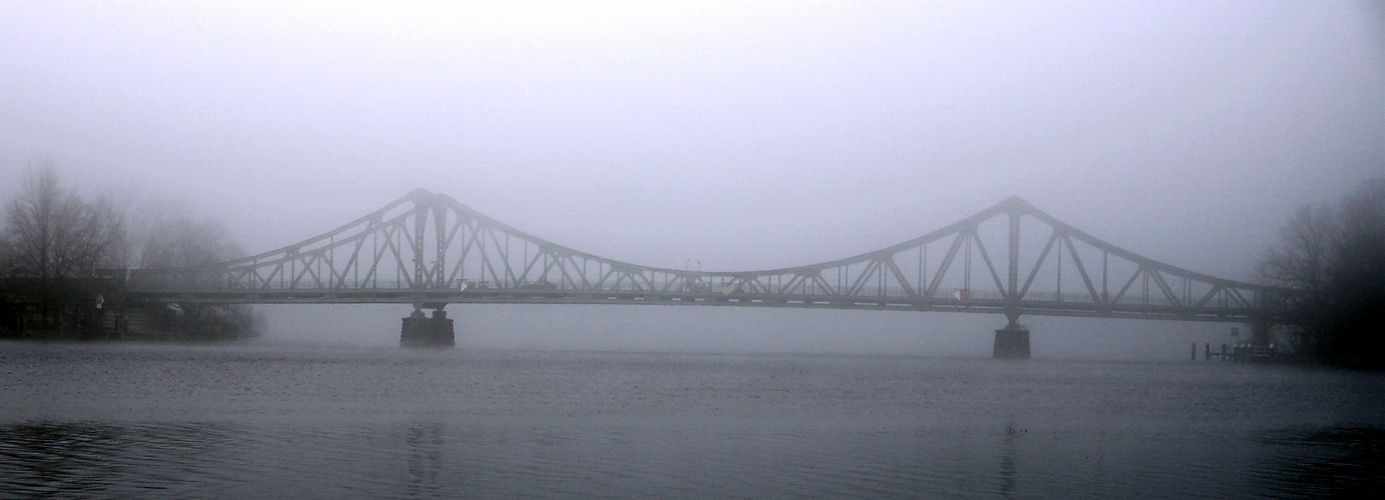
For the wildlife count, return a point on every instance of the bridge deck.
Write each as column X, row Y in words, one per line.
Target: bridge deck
column 625, row 297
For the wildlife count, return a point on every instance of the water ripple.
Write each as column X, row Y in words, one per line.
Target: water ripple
column 208, row 423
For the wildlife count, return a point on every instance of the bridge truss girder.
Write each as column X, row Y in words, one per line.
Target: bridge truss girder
column 429, row 248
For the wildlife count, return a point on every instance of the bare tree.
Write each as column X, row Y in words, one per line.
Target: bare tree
column 1303, row 261
column 1306, row 244
column 1361, row 248
column 179, row 243
column 7, row 261
column 185, row 243
column 57, row 241
column 1338, row 260
column 53, row 234
column 1357, row 288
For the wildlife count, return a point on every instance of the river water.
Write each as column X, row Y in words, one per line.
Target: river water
column 257, row 420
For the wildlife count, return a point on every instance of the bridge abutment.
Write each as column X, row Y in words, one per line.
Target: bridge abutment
column 421, row 331
column 1011, row 342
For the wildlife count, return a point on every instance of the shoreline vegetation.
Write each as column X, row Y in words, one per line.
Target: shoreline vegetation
column 1335, row 258
column 64, row 261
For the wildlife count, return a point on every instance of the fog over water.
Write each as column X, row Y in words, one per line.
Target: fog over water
column 716, row 136
column 734, row 135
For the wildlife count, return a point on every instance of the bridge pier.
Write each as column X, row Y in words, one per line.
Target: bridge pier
column 1011, row 342
column 421, row 331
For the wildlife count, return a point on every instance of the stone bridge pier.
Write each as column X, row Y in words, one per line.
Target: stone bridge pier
column 423, row 331
column 1011, row 342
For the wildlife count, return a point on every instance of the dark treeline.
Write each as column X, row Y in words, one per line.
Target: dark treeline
column 1336, row 257
column 64, row 259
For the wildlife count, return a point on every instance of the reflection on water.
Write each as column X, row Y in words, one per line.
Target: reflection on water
column 425, row 445
column 226, row 423
column 1007, row 461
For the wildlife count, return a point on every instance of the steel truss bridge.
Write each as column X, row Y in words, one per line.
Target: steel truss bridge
column 429, row 250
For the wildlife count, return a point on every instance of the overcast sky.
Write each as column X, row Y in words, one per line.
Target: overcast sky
column 741, row 134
